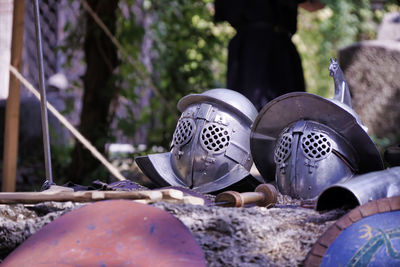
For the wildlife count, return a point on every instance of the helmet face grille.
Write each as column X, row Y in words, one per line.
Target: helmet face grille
column 316, row 145
column 283, row 148
column 183, row 132
column 214, row 137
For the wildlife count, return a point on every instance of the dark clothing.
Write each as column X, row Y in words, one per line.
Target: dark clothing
column 263, row 63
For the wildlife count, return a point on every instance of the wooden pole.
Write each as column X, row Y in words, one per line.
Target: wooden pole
column 59, row 195
column 12, row 106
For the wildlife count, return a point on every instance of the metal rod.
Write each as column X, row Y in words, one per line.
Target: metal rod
column 43, row 100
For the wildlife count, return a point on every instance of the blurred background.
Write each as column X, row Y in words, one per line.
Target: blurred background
column 123, row 98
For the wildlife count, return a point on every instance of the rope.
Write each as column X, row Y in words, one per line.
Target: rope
column 114, row 171
column 141, row 74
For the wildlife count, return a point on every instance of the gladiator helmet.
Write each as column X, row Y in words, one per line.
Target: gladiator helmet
column 210, row 148
column 314, row 142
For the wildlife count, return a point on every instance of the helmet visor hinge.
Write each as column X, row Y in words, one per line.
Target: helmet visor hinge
column 204, row 112
column 312, row 164
column 208, row 160
column 220, row 120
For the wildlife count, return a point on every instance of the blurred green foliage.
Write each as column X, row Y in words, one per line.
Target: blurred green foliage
column 190, row 55
column 130, row 36
column 321, row 34
column 189, row 52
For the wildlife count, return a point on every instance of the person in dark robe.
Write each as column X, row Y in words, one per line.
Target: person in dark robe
column 263, row 63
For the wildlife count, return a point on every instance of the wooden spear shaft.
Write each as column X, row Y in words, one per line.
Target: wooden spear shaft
column 145, row 196
column 10, row 152
column 83, row 196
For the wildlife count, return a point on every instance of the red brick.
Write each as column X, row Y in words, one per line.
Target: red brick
column 383, row 205
column 355, row 214
column 394, row 203
column 312, row 261
column 318, row 250
column 369, row 209
column 344, row 222
column 330, row 235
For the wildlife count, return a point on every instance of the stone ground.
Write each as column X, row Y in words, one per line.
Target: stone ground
column 255, row 236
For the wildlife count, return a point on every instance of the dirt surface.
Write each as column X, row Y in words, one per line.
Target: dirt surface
column 255, row 236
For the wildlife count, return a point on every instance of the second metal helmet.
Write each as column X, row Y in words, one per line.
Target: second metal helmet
column 309, row 156
column 315, row 142
column 210, row 146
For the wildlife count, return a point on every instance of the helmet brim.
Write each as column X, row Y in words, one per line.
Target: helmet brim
column 289, row 108
column 158, row 168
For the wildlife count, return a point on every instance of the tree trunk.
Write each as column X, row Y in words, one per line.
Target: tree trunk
column 99, row 90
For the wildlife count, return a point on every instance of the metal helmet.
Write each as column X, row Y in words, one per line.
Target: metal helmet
column 315, row 142
column 309, row 156
column 210, row 147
